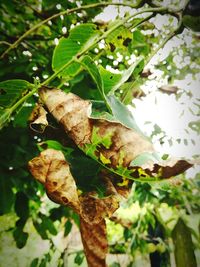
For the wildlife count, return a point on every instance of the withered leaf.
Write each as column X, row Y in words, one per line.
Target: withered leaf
column 169, row 89
column 51, row 169
column 95, row 242
column 38, row 119
column 112, row 144
column 93, row 209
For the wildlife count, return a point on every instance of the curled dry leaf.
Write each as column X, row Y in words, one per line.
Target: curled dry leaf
column 93, row 209
column 38, row 119
column 52, row 170
column 169, row 89
column 95, row 243
column 114, row 145
column 76, row 122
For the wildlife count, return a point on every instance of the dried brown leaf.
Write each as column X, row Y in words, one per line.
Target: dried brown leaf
column 71, row 111
column 125, row 143
column 95, row 243
column 38, row 119
column 169, row 89
column 93, row 209
column 51, row 169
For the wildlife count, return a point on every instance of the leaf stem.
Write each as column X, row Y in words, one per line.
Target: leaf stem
column 65, row 12
column 23, row 99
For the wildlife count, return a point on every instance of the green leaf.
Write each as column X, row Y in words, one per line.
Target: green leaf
column 91, row 67
column 113, row 81
column 68, row 227
column 119, row 38
column 139, row 43
column 144, row 158
column 22, row 205
column 122, row 114
column 195, row 126
column 20, row 237
column 97, row 140
column 12, row 90
column 4, row 117
column 80, row 38
column 40, row 229
column 21, row 118
column 79, row 258
column 47, row 224
column 182, row 239
column 6, row 195
column 34, row 262
column 192, row 22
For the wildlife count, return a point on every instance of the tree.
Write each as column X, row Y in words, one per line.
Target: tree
column 104, row 152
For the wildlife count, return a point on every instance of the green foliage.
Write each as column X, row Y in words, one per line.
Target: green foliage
column 79, row 258
column 113, row 81
column 10, row 92
column 79, row 40
column 80, row 65
column 192, row 22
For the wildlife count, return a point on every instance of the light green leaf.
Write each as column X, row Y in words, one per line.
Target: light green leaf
column 195, row 126
column 122, row 114
column 139, row 43
column 144, row 158
column 80, row 38
column 119, row 38
column 113, row 81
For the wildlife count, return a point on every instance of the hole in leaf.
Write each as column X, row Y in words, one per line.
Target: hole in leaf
column 126, row 41
column 64, row 199
column 112, row 47
column 111, row 77
column 119, row 37
column 55, row 183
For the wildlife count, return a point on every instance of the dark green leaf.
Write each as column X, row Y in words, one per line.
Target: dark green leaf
column 21, row 205
column 12, row 90
column 20, row 237
column 79, row 258
column 40, row 229
column 47, row 224
column 34, row 262
column 6, row 195
column 68, row 227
